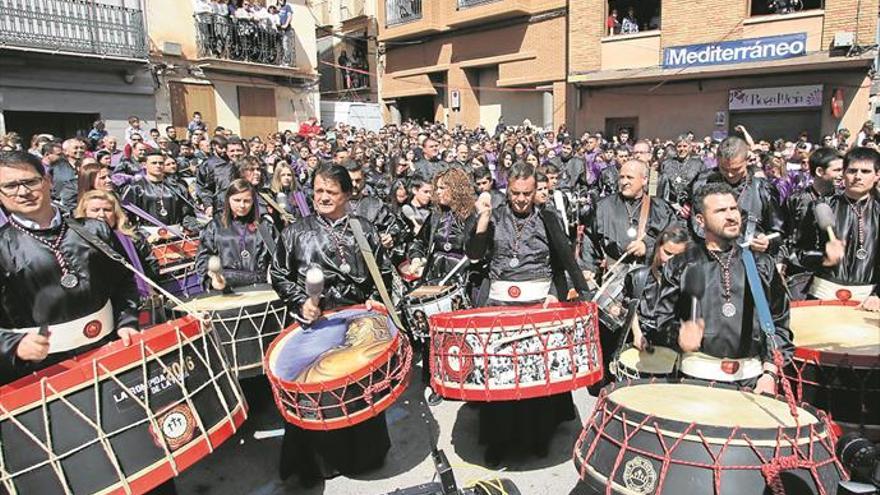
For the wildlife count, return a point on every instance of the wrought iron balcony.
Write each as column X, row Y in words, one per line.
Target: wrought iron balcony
column 402, row 11
column 244, row 40
column 463, row 4
column 78, row 26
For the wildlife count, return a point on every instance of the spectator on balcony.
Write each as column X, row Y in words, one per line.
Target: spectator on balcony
column 245, row 11
column 345, row 65
column 612, row 23
column 630, row 25
column 202, row 7
column 285, row 26
column 654, row 23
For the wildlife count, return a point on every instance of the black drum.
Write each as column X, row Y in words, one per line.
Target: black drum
column 689, row 437
column 119, row 419
column 246, row 320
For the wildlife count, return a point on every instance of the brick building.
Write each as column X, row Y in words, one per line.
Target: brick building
column 470, row 62
column 707, row 66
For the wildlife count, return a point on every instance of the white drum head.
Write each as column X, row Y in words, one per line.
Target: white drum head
column 661, row 362
column 222, row 302
column 709, row 406
column 841, row 329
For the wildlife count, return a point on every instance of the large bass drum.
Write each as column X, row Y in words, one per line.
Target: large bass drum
column 119, row 419
column 673, row 438
column 515, row 352
column 342, row 370
column 836, row 364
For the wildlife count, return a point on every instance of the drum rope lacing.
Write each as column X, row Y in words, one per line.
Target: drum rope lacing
column 770, row 469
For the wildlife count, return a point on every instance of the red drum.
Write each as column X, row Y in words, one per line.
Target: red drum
column 344, row 369
column 515, row 352
column 672, row 438
column 177, row 262
column 119, row 419
column 836, row 365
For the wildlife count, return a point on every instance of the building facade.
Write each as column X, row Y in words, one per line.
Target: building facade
column 67, row 63
column 471, row 62
column 235, row 72
column 347, row 59
column 707, row 66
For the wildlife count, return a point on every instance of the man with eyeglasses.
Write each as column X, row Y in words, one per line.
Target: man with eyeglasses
column 59, row 295
column 676, row 175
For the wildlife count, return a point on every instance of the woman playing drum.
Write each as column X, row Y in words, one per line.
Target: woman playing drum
column 239, row 239
column 439, row 247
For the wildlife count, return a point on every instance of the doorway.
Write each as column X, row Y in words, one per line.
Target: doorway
column 614, row 125
column 61, row 125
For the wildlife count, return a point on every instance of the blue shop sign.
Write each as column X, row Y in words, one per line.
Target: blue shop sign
column 736, row 52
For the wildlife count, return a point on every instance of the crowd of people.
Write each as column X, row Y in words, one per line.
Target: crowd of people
column 245, row 30
column 541, row 216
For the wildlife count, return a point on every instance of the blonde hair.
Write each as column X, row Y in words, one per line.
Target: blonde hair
column 121, row 219
column 276, row 186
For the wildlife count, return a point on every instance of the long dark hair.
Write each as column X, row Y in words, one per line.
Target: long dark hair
column 239, row 186
column 87, row 174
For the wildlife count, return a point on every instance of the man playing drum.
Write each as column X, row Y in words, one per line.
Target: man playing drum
column 326, row 240
column 527, row 252
column 59, row 295
column 725, row 342
column 846, row 266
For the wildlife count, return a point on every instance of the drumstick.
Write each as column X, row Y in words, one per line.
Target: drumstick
column 825, row 219
column 513, row 338
column 454, row 270
column 607, row 283
column 314, row 284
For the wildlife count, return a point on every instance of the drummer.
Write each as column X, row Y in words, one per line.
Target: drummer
column 726, row 342
column 626, row 223
column 242, row 240
column 673, row 241
column 154, row 194
column 326, row 240
column 440, row 245
column 848, row 267
column 59, row 295
column 526, row 251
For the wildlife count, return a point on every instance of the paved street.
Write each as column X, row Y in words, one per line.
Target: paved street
column 244, row 465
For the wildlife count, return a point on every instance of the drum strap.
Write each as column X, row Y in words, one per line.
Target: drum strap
column 758, row 295
column 275, row 206
column 643, row 216
column 153, row 220
column 364, row 246
column 263, row 230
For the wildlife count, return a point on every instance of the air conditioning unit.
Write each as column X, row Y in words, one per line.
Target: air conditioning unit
column 173, row 49
column 843, row 39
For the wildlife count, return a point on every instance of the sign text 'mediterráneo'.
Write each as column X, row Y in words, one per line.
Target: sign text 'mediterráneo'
column 736, row 52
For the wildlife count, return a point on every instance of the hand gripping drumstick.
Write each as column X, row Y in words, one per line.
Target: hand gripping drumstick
column 314, row 284
column 825, row 219
column 215, row 267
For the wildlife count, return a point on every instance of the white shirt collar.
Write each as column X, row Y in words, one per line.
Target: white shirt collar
column 31, row 225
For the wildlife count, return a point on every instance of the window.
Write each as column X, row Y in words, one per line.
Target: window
column 632, row 16
column 769, row 7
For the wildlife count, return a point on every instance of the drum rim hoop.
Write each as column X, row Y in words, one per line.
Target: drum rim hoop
column 77, row 371
column 832, row 358
column 677, row 426
column 243, row 290
column 484, row 394
column 305, row 388
column 482, row 317
column 449, row 291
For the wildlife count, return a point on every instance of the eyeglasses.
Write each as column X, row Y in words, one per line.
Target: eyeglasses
column 11, row 188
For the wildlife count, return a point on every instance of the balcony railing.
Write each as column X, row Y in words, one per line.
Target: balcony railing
column 80, row 26
column 401, row 11
column 463, row 4
column 244, row 40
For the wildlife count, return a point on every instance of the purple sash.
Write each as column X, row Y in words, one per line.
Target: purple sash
column 131, row 253
column 301, row 204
